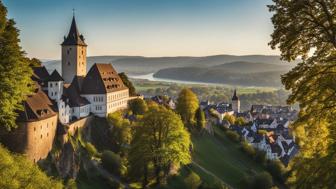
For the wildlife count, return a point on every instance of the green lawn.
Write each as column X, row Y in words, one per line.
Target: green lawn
column 223, row 158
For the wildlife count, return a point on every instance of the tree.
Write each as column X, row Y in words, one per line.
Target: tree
column 230, row 118
column 15, row 72
column 121, row 131
column 17, row 172
column 112, row 162
column 240, row 121
column 138, row 106
column 160, row 140
column 301, row 27
column 128, row 83
column 187, row 105
column 200, row 119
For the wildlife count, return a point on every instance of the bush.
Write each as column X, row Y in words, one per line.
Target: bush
column 277, row 170
column 248, row 149
column 260, row 157
column 112, row 162
column 263, row 181
column 193, row 181
column 232, row 135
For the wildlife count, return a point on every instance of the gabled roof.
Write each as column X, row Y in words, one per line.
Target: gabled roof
column 36, row 107
column 40, row 75
column 102, row 79
column 55, row 76
column 72, row 93
column 74, row 37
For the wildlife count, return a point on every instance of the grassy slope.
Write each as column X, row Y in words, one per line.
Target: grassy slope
column 223, row 158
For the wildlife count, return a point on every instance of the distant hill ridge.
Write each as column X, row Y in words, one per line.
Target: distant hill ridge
column 145, row 65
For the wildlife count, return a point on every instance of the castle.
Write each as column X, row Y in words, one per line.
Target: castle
column 65, row 101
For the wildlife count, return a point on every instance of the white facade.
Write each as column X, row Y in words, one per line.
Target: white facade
column 103, row 104
column 64, row 112
column 55, row 90
column 236, row 106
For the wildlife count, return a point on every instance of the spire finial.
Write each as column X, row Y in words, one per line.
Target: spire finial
column 73, row 12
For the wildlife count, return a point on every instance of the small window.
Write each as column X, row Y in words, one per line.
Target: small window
column 41, row 136
column 34, row 128
column 68, row 63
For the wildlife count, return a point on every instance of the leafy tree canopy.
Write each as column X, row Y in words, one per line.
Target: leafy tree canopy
column 15, row 72
column 301, row 27
column 128, row 83
column 187, row 105
column 161, row 140
column 17, row 172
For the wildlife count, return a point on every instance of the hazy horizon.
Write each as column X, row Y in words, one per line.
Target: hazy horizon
column 148, row 28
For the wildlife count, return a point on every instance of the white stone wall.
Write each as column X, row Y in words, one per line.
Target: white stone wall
column 55, row 90
column 236, row 106
column 64, row 112
column 103, row 104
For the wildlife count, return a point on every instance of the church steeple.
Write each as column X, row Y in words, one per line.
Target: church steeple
column 74, row 37
column 235, row 97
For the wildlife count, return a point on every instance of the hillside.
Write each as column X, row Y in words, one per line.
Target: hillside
column 235, row 73
column 145, row 65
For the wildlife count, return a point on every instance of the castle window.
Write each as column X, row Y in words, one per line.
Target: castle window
column 47, row 134
column 34, row 128
column 68, row 63
column 41, row 136
column 51, row 85
column 56, row 84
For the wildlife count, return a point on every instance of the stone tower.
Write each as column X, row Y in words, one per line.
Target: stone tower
column 235, row 102
column 73, row 54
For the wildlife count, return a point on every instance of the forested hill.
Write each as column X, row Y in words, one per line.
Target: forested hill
column 145, row 65
column 235, row 73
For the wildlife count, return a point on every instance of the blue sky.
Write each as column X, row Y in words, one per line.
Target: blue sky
column 145, row 27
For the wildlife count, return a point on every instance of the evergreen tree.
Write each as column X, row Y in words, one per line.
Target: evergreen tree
column 301, row 27
column 15, row 72
column 187, row 105
column 128, row 83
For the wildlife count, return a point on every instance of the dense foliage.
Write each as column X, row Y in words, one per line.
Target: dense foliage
column 128, row 84
column 15, row 71
column 161, row 141
column 301, row 27
column 187, row 105
column 17, row 172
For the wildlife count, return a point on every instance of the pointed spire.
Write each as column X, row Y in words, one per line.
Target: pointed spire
column 74, row 37
column 235, row 97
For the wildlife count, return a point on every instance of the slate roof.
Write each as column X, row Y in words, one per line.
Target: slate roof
column 102, row 79
column 235, row 97
column 36, row 107
column 40, row 75
column 72, row 93
column 74, row 37
column 55, row 76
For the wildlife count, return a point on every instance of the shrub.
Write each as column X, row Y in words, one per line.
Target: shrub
column 260, row 157
column 263, row 181
column 193, row 181
column 233, row 135
column 248, row 149
column 111, row 162
column 277, row 170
